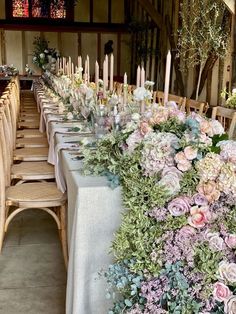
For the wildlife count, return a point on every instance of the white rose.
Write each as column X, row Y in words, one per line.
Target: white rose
column 230, row 305
column 42, row 55
column 227, row 271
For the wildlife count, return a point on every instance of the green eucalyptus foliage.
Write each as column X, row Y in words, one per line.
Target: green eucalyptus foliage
column 189, row 182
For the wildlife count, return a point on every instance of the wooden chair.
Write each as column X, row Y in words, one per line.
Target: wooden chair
column 44, row 196
column 180, row 101
column 227, row 117
column 196, row 106
column 24, row 171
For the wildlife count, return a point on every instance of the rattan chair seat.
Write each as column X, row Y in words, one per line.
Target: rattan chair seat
column 29, row 168
column 35, row 194
column 29, row 133
column 28, row 124
column 32, row 142
column 31, row 154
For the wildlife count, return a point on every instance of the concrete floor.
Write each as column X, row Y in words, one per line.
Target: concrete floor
column 32, row 272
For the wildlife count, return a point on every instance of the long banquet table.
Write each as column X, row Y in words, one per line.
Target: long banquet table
column 94, row 214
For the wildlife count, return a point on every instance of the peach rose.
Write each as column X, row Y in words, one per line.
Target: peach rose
column 159, row 118
column 184, row 166
column 180, row 157
column 230, row 241
column 199, row 216
column 210, row 191
column 221, row 292
column 190, row 152
column 205, row 127
column 145, row 128
column 227, row 271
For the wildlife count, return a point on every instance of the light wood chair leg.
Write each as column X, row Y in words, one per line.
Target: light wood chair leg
column 63, row 234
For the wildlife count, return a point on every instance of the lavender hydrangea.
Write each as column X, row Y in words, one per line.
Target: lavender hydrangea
column 158, row 152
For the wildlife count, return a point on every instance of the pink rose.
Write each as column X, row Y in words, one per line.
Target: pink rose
column 227, row 271
column 221, row 292
column 230, row 241
column 179, row 206
column 190, row 152
column 199, row 216
column 230, row 305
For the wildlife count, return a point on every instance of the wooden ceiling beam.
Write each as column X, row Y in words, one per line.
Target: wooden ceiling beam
column 151, row 10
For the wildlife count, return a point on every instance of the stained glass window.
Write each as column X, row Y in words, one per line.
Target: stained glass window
column 20, row 8
column 54, row 9
column 40, row 8
column 58, row 9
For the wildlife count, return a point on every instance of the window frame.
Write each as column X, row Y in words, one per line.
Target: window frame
column 34, row 20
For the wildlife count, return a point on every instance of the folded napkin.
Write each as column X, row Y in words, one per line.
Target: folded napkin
column 60, row 179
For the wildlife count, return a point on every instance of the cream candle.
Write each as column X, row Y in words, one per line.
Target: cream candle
column 167, row 77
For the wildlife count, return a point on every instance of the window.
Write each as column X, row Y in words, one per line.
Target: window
column 40, row 9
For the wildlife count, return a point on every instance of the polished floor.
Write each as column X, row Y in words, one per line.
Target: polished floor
column 32, row 272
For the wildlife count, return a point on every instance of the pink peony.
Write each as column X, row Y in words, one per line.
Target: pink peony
column 221, row 292
column 230, row 241
column 190, row 152
column 199, row 216
column 179, row 206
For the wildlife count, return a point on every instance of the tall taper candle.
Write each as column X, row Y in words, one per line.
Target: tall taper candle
column 88, row 69
column 106, row 71
column 97, row 75
column 125, row 88
column 79, row 62
column 104, row 78
column 167, row 77
column 111, row 72
column 142, row 77
column 138, row 77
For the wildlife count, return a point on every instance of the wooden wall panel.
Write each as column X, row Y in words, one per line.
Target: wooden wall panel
column 82, row 11
column 89, row 44
column 125, row 56
column 69, row 46
column 14, row 49
column 100, row 11
column 117, row 11
column 2, row 9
